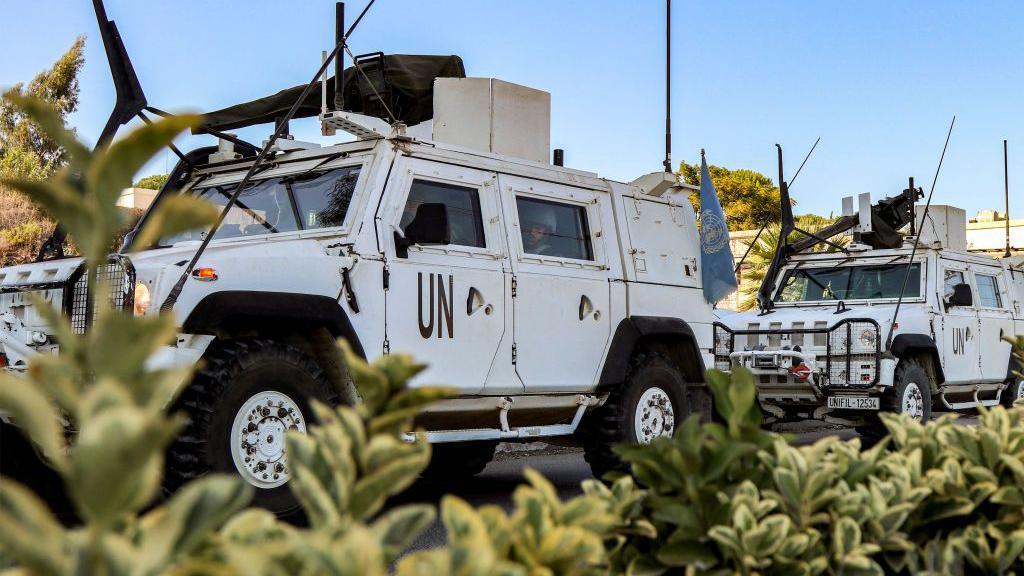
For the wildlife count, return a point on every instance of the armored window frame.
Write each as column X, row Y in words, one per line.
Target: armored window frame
column 581, row 237
column 470, row 232
column 988, row 291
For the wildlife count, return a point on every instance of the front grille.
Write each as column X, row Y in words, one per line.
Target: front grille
column 854, row 353
column 117, row 276
column 852, row 347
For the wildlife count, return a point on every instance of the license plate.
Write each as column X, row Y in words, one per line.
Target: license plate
column 853, row 402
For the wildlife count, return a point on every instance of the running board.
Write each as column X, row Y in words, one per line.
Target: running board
column 506, row 432
column 975, row 388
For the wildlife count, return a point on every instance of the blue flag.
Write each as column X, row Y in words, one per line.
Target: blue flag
column 715, row 253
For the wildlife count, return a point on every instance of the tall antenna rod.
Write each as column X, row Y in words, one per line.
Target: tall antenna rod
column 668, row 86
column 917, row 239
column 1006, row 182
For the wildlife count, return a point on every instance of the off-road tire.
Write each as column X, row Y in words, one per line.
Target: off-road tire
column 1013, row 392
column 909, row 373
column 458, row 460
column 613, row 422
column 232, row 372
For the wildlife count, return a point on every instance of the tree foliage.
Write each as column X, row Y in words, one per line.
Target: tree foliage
column 28, row 153
column 152, row 182
column 748, row 198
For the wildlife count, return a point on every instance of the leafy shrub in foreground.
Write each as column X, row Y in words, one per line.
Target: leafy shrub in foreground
column 729, row 498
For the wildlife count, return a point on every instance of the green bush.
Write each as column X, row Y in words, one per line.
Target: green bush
column 729, row 498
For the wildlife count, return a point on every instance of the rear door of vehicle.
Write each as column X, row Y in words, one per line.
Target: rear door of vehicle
column 959, row 346
column 995, row 321
column 560, row 272
column 446, row 304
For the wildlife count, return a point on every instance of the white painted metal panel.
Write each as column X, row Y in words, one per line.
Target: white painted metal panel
column 659, row 242
column 446, row 304
column 562, row 307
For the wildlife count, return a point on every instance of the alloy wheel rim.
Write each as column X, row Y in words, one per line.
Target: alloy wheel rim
column 258, row 438
column 913, row 401
column 654, row 417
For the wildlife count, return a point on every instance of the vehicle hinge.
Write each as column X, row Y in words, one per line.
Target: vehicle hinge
column 386, row 278
column 387, row 346
column 514, row 286
column 514, row 354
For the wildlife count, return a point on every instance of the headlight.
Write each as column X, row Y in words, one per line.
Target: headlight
column 142, row 299
column 868, row 338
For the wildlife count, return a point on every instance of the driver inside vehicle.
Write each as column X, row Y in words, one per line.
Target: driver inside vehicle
column 538, row 228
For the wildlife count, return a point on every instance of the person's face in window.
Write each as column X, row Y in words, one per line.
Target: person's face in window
column 536, row 235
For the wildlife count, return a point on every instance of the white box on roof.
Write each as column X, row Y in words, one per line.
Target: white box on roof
column 494, row 116
column 946, row 225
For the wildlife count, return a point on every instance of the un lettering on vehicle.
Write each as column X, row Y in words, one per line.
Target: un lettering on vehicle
column 437, row 305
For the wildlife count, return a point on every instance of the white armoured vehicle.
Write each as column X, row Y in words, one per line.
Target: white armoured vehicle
column 825, row 345
column 558, row 303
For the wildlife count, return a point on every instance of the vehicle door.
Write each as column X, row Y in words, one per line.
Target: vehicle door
column 560, row 279
column 995, row 320
column 445, row 303
column 959, row 327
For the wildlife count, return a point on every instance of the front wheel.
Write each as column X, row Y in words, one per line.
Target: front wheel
column 910, row 395
column 241, row 404
column 649, row 405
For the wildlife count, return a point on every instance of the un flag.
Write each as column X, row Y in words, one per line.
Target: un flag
column 715, row 253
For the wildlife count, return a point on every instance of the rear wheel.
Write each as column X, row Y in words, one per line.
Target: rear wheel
column 1014, row 392
column 247, row 396
column 649, row 405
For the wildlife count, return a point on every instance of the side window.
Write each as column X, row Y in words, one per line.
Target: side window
column 988, row 291
column 464, row 220
column 953, row 277
column 554, row 229
column 322, row 200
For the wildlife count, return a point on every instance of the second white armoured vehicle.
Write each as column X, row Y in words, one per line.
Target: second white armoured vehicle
column 827, row 342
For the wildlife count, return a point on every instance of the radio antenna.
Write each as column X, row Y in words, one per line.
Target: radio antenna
column 917, row 239
column 668, row 86
column 1006, row 184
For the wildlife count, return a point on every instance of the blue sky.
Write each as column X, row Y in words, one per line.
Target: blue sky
column 878, row 81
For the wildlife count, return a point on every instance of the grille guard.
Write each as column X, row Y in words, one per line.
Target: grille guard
column 839, row 351
column 118, row 273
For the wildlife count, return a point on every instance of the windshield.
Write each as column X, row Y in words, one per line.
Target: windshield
column 285, row 204
column 849, row 283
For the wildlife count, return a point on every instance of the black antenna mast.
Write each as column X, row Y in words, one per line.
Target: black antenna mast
column 668, row 86
column 917, row 239
column 1006, row 183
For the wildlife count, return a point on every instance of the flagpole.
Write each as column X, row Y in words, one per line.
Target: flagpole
column 668, row 86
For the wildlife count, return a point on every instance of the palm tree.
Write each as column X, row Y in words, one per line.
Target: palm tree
column 762, row 249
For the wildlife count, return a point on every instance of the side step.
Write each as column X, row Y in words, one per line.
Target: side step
column 974, row 390
column 506, row 432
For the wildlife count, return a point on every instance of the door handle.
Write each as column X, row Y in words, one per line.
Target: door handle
column 586, row 307
column 474, row 301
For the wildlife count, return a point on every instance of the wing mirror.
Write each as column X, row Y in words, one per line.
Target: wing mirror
column 428, row 227
column 962, row 296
